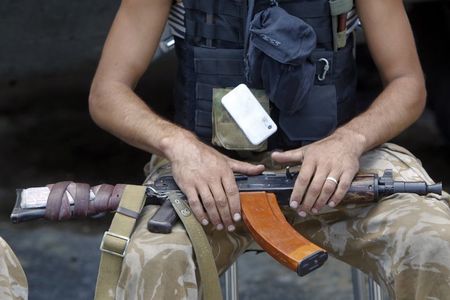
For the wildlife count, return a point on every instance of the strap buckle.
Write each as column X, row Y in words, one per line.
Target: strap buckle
column 120, row 238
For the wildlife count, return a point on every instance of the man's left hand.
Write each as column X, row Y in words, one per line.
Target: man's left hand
column 327, row 169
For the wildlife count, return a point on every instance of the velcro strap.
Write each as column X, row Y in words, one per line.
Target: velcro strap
column 301, row 9
column 203, row 118
column 219, row 66
column 230, row 8
column 338, row 7
column 204, row 91
column 213, row 32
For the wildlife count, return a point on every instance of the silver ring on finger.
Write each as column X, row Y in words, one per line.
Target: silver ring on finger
column 330, row 178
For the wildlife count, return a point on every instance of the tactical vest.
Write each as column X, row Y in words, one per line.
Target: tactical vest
column 212, row 55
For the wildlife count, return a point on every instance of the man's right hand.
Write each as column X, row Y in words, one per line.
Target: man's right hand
column 203, row 174
column 206, row 177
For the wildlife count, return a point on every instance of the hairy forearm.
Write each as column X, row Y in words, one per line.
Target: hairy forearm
column 117, row 109
column 397, row 107
column 391, row 43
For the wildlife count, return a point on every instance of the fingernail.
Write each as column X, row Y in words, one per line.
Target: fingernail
column 219, row 227
column 237, row 217
column 294, row 204
column 331, row 204
column 314, row 210
column 302, row 214
column 205, row 222
column 231, row 228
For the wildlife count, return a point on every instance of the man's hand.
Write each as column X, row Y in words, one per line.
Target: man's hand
column 335, row 157
column 206, row 178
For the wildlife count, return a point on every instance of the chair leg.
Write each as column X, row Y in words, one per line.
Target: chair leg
column 374, row 290
column 231, row 283
column 359, row 285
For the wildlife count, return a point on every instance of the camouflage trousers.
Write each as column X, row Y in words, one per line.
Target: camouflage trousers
column 13, row 283
column 403, row 241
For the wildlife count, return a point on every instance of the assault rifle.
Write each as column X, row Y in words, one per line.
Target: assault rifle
column 260, row 196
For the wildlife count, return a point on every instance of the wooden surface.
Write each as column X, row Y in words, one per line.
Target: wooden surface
column 272, row 232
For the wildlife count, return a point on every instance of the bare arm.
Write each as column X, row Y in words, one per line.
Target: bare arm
column 131, row 43
column 203, row 174
column 392, row 46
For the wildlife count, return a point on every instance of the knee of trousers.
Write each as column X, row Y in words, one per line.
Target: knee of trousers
column 412, row 233
column 159, row 253
column 158, row 266
column 418, row 236
column 426, row 249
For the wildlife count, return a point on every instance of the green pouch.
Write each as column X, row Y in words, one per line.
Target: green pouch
column 225, row 132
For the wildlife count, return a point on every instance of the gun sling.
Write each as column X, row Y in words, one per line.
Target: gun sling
column 269, row 228
column 115, row 242
column 203, row 253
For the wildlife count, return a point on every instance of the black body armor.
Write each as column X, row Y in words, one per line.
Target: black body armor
column 213, row 55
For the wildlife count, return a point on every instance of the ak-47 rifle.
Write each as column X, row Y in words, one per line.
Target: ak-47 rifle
column 260, row 197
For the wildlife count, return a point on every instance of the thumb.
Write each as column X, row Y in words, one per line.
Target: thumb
column 291, row 156
column 245, row 168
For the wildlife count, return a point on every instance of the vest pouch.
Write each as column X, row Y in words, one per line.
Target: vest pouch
column 317, row 118
column 225, row 132
column 213, row 68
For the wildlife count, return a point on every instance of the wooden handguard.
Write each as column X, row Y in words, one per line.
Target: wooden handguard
column 269, row 228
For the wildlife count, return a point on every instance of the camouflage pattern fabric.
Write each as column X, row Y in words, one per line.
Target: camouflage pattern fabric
column 225, row 132
column 403, row 241
column 13, row 283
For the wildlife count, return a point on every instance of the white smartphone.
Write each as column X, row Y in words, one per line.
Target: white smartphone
column 248, row 113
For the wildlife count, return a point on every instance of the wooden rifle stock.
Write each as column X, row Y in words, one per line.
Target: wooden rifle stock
column 269, row 228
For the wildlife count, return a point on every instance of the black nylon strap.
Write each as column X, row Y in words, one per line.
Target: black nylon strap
column 203, row 118
column 306, row 9
column 218, row 66
column 204, row 105
column 213, row 32
column 204, row 91
column 230, row 8
column 204, row 133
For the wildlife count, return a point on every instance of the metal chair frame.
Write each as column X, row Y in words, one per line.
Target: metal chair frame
column 364, row 288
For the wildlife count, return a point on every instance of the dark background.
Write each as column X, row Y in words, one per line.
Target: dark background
column 48, row 54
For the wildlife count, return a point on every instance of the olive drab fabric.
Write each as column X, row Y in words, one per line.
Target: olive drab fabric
column 13, row 283
column 226, row 133
column 403, row 241
column 213, row 55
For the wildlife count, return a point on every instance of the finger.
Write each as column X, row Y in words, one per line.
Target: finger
column 304, row 177
column 313, row 191
column 222, row 204
column 210, row 206
column 196, row 206
column 232, row 192
column 344, row 184
column 329, row 187
column 290, row 156
column 245, row 168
